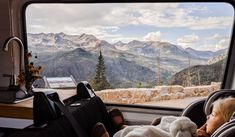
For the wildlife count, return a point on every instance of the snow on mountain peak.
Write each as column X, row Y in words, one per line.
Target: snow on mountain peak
column 119, row 43
column 62, row 41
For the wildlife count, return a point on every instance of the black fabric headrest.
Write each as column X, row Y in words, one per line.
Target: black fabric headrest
column 84, row 90
column 44, row 109
column 214, row 96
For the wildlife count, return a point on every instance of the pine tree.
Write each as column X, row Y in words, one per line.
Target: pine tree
column 100, row 82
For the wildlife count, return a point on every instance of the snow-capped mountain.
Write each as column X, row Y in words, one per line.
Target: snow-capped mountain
column 153, row 49
column 60, row 41
column 124, row 61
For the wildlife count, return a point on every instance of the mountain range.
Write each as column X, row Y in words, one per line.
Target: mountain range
column 127, row 64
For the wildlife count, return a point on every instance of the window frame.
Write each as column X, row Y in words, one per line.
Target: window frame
column 228, row 73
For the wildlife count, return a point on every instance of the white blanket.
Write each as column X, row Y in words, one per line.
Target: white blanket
column 170, row 126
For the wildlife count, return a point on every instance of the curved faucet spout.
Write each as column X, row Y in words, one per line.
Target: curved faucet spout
column 21, row 45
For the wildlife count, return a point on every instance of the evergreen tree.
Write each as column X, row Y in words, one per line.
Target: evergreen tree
column 100, row 82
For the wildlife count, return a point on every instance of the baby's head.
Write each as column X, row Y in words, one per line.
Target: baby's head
column 222, row 110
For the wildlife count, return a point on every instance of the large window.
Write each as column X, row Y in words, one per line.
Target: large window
column 135, row 53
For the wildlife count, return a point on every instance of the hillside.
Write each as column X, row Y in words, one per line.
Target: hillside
column 82, row 64
column 200, row 74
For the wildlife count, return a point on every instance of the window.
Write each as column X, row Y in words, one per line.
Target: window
column 134, row 53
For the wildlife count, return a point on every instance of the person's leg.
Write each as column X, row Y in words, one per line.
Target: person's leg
column 99, row 130
column 117, row 119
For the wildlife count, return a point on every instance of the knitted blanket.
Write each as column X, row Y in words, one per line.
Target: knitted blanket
column 170, row 126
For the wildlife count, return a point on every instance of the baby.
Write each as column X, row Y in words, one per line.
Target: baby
column 222, row 111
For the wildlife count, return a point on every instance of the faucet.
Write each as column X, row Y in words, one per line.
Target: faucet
column 5, row 48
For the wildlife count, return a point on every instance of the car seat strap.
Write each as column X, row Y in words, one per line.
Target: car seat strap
column 77, row 128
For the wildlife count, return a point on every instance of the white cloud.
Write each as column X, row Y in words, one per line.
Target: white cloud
column 180, row 17
column 110, row 28
column 118, row 15
column 196, row 8
column 217, row 37
column 215, row 46
column 188, row 40
column 220, row 41
column 35, row 27
column 153, row 36
column 224, row 43
column 214, row 42
column 123, row 39
column 210, row 23
column 205, row 47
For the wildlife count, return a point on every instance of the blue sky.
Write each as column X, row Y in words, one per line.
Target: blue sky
column 202, row 26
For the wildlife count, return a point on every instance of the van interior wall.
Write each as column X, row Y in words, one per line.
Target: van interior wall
column 10, row 25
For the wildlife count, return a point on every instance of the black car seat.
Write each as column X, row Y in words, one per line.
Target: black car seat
column 195, row 112
column 198, row 111
column 227, row 130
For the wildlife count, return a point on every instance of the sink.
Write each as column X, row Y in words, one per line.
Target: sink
column 6, row 95
column 12, row 95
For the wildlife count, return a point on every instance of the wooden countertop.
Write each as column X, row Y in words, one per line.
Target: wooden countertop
column 24, row 110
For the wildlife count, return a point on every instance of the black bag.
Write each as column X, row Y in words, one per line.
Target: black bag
column 48, row 107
